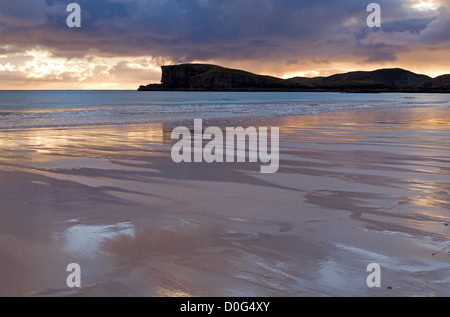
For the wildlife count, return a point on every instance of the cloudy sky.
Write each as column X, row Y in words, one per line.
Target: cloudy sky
column 122, row 43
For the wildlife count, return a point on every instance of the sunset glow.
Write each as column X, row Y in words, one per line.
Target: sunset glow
column 124, row 46
column 425, row 5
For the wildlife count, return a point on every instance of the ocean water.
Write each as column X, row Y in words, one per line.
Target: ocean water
column 40, row 109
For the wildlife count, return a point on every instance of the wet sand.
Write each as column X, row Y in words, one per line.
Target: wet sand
column 353, row 188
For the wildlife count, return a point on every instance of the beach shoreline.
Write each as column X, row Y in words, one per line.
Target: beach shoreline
column 354, row 187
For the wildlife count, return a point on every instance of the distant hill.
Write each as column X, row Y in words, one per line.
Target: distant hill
column 441, row 82
column 204, row 77
column 383, row 78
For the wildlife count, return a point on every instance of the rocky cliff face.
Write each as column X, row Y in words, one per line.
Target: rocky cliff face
column 211, row 77
column 180, row 76
column 203, row 77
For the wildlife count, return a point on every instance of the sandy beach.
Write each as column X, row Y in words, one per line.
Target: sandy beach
column 354, row 187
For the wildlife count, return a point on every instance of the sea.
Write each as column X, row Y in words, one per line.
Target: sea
column 60, row 109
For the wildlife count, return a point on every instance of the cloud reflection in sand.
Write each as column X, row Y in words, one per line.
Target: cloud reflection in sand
column 83, row 240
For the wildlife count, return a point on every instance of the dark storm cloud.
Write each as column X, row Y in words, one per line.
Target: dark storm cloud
column 384, row 52
column 411, row 25
column 186, row 30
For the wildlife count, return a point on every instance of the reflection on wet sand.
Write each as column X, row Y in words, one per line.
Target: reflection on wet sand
column 405, row 157
column 71, row 140
column 354, row 187
column 85, row 241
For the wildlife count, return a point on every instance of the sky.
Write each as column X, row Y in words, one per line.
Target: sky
column 122, row 44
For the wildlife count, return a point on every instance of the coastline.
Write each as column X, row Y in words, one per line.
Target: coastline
column 206, row 77
column 354, row 187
